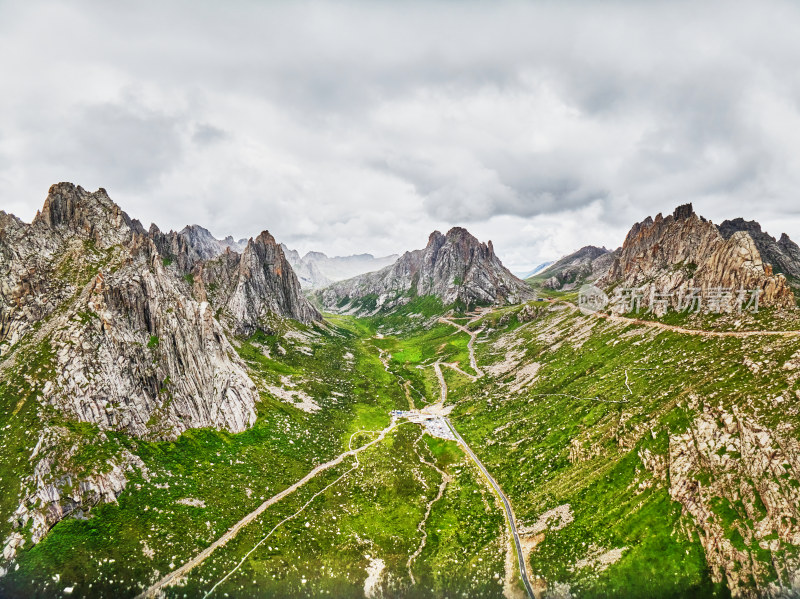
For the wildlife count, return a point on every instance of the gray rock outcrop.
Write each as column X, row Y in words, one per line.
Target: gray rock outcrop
column 782, row 254
column 135, row 340
column 455, row 268
column 584, row 266
column 682, row 251
column 252, row 289
column 135, row 351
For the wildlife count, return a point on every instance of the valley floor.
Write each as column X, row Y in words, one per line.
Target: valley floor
column 626, row 458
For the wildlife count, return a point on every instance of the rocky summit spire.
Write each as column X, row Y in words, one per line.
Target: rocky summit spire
column 73, row 210
column 455, row 267
column 261, row 287
column 675, row 253
column 683, row 212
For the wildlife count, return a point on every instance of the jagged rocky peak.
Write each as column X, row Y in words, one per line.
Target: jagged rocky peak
column 683, row 212
column 782, row 255
column 178, row 372
column 256, row 287
column 70, row 207
column 130, row 341
column 202, row 241
column 455, row 267
column 584, row 266
column 670, row 254
column 191, row 245
column 74, row 230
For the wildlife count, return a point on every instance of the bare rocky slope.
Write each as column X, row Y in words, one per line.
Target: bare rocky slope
column 584, row 266
column 782, row 254
column 456, row 268
column 126, row 335
column 673, row 254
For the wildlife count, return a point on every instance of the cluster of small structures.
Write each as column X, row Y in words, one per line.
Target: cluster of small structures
column 436, row 426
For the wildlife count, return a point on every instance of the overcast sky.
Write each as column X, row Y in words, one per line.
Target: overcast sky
column 361, row 127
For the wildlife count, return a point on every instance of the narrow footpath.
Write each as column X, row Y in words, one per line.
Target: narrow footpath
column 234, row 530
column 676, row 329
column 470, row 346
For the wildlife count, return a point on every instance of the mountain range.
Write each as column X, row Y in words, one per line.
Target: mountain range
column 316, row 270
column 182, row 414
column 683, row 250
column 455, row 267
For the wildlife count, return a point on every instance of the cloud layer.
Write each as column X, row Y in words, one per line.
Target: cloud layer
column 362, row 126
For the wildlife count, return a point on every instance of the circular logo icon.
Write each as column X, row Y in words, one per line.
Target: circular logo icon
column 591, row 299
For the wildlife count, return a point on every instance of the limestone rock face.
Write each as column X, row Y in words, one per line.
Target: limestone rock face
column 455, row 268
column 39, row 262
column 150, row 361
column 92, row 215
column 132, row 343
column 248, row 288
column 584, row 266
column 56, row 497
column 683, row 250
column 727, row 461
column 191, row 245
column 135, row 351
column 266, row 285
column 783, row 255
column 252, row 289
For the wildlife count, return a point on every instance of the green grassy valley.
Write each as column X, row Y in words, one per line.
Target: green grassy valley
column 619, row 444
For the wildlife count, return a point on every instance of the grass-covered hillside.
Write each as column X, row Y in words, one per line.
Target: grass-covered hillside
column 350, row 530
column 644, row 462
column 640, row 461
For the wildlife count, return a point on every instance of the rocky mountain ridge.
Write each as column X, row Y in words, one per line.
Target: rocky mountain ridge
column 584, row 266
column 455, row 267
column 127, row 334
column 782, row 254
column 671, row 255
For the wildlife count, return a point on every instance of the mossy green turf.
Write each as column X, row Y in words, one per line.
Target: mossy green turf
column 524, row 438
column 120, row 546
column 372, row 512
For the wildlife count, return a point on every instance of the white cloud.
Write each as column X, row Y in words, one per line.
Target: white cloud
column 356, row 126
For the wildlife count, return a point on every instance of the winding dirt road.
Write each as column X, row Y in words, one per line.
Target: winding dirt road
column 676, row 329
column 470, row 346
column 233, row 530
column 510, row 519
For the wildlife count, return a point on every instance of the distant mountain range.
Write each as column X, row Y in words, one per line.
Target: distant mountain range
column 537, row 269
column 316, row 270
column 585, row 265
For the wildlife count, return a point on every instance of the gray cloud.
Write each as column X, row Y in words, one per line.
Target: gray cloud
column 127, row 145
column 362, row 126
